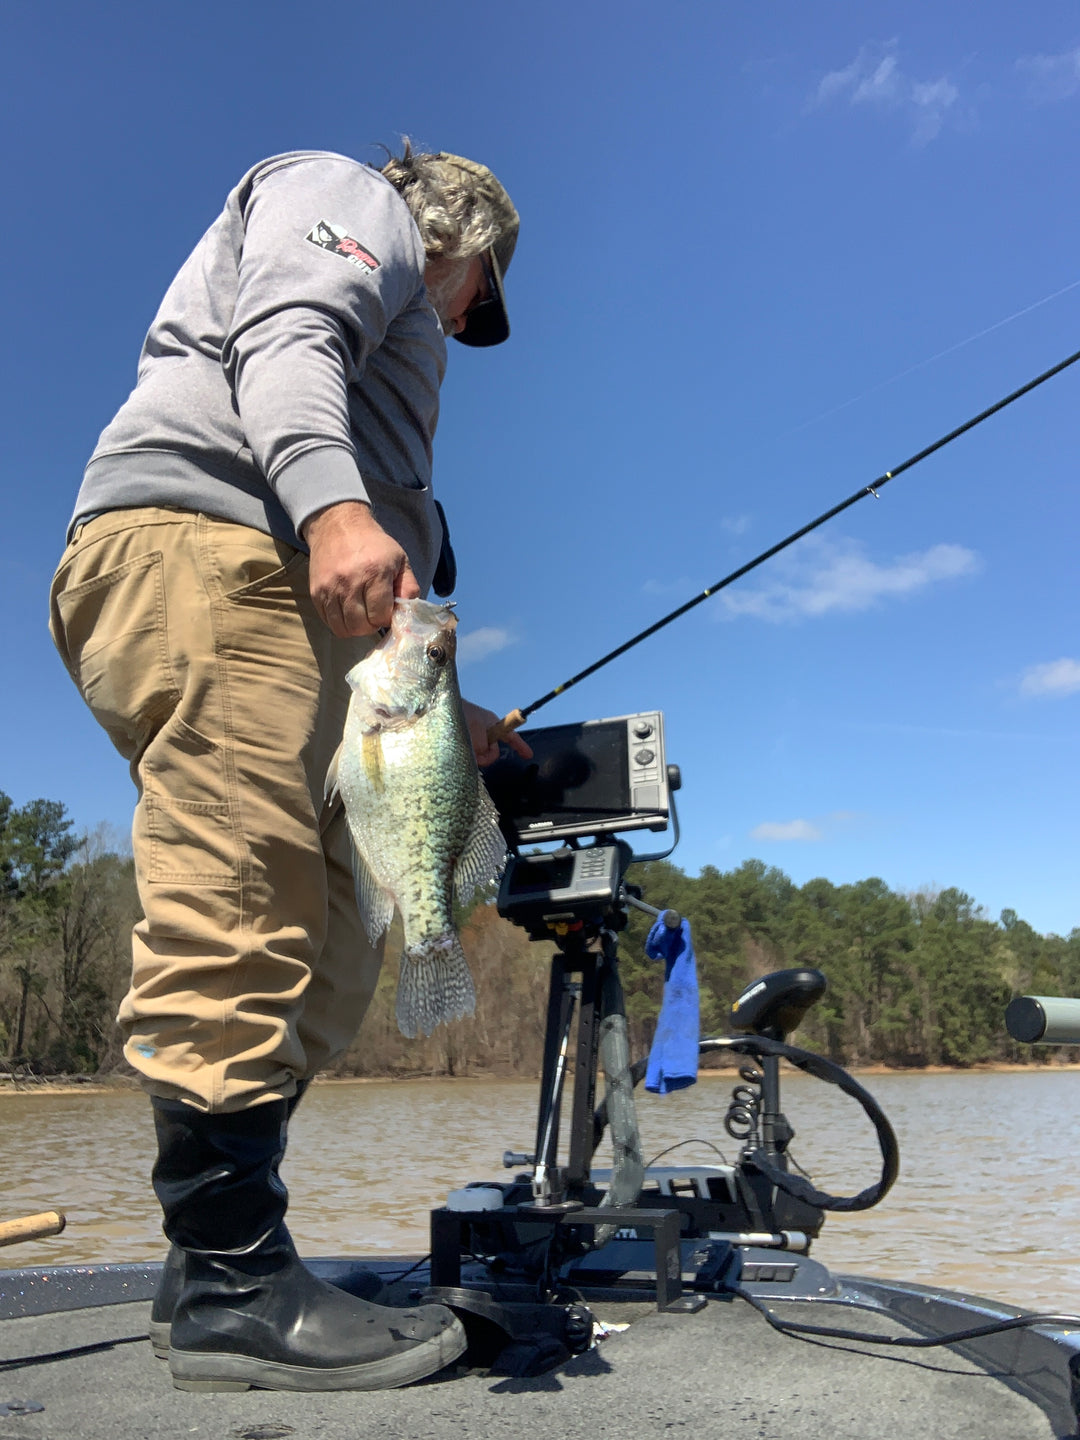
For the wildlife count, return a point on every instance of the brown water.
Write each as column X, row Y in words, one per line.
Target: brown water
column 988, row 1198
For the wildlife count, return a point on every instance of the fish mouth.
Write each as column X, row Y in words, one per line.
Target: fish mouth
column 419, row 615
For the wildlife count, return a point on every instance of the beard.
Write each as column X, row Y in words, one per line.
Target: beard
column 444, row 286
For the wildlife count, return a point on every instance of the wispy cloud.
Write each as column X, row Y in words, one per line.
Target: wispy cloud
column 819, row 827
column 822, row 576
column 1051, row 77
column 479, row 644
column 736, row 524
column 946, row 732
column 875, row 78
column 787, row 830
column 1056, row 677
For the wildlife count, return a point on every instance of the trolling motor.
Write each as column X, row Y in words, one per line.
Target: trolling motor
column 559, row 1223
column 770, row 1008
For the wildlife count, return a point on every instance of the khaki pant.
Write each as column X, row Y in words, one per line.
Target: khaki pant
column 195, row 644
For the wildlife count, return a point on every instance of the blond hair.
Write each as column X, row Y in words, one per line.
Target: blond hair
column 459, row 207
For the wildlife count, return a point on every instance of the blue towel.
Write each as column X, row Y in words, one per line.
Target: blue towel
column 673, row 1059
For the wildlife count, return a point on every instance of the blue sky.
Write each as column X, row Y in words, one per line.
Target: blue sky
column 755, row 242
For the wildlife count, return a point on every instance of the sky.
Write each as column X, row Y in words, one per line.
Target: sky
column 767, row 253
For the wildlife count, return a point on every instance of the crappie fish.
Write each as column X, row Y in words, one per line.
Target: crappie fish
column 423, row 826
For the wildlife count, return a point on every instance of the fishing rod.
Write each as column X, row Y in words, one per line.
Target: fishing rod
column 517, row 718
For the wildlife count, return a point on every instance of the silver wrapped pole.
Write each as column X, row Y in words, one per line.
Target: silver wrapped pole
column 628, row 1168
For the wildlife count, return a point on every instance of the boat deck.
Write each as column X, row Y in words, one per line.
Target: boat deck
column 722, row 1371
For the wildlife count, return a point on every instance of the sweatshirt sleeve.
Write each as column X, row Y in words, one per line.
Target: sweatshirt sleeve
column 329, row 257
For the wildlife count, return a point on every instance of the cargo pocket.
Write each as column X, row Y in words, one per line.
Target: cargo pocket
column 112, row 638
column 183, row 827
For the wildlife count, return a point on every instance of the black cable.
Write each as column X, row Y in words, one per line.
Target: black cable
column 23, row 1361
column 802, row 1171
column 679, row 1143
column 982, row 1373
column 821, row 1069
column 911, row 1342
column 871, row 489
column 833, row 1074
column 393, row 1279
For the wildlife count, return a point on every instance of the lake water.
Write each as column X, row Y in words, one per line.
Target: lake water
column 988, row 1198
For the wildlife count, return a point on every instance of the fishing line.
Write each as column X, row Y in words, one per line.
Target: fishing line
column 518, row 717
column 922, row 364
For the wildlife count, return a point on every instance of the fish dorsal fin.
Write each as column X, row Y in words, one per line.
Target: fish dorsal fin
column 485, row 850
column 375, row 904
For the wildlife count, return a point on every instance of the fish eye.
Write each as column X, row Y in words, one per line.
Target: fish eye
column 436, row 654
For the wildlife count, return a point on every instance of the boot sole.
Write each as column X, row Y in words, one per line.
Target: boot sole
column 160, row 1338
column 193, row 1370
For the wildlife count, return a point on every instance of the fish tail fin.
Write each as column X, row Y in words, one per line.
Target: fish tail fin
column 434, row 985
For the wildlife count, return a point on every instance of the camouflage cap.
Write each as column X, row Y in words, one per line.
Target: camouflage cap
column 488, row 322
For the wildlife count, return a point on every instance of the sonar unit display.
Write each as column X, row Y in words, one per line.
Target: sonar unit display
column 597, row 777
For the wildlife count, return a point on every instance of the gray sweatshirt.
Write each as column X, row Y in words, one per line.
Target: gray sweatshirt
column 295, row 362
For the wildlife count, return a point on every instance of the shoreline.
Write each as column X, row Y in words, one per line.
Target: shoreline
column 108, row 1085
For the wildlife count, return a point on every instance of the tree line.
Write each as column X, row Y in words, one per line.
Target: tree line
column 914, row 979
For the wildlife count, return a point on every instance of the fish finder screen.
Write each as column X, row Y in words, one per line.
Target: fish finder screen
column 542, row 879
column 580, row 781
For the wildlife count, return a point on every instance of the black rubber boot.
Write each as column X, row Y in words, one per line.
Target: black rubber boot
column 249, row 1313
column 174, row 1271
column 361, row 1281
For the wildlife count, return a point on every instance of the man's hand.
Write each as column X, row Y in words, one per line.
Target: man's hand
column 357, row 569
column 480, row 722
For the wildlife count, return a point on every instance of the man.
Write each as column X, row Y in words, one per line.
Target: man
column 243, row 528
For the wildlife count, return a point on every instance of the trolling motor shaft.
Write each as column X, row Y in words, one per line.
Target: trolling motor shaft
column 773, row 1007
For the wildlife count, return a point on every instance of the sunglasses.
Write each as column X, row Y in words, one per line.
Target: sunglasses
column 485, row 322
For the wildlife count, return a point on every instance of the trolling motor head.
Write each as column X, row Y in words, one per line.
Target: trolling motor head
column 775, row 1005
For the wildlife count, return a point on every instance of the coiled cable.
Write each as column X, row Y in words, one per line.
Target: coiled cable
column 744, row 1111
column 759, row 1047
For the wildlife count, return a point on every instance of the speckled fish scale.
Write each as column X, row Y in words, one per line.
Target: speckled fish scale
column 422, row 824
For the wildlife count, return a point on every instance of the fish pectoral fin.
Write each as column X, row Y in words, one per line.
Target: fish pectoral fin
column 331, row 793
column 330, row 784
column 485, row 850
column 375, row 904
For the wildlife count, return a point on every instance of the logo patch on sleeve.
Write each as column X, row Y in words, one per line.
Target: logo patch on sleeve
column 338, row 241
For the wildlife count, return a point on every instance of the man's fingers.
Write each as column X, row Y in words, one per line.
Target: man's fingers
column 518, row 745
column 480, row 723
column 355, row 620
column 378, row 602
column 357, row 570
column 405, row 586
